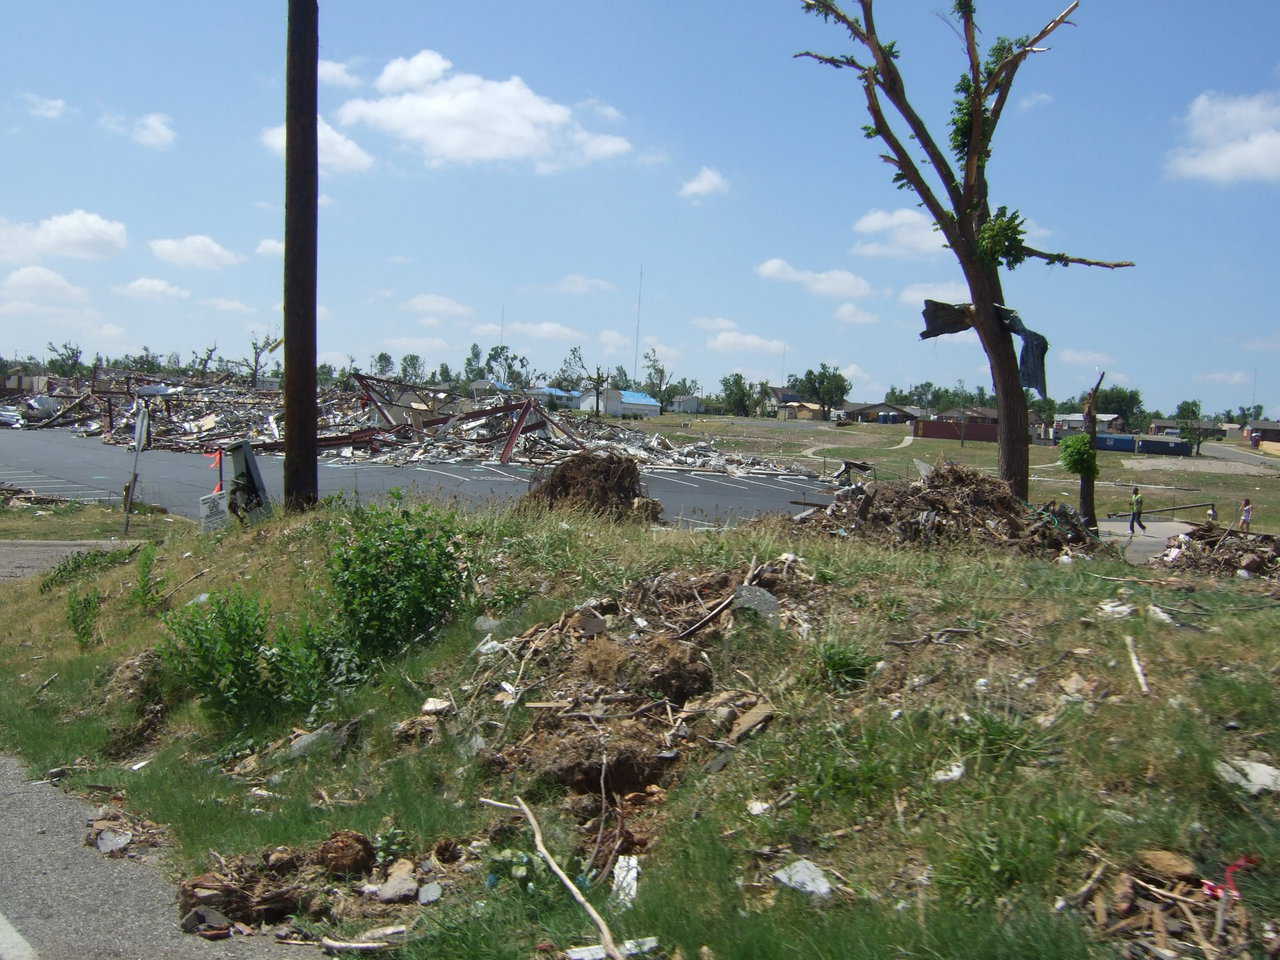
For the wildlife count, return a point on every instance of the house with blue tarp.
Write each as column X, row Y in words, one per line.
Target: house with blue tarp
column 620, row 403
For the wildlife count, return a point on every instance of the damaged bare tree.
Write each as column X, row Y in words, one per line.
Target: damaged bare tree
column 981, row 239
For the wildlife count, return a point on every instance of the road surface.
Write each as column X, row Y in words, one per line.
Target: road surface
column 55, row 461
column 1225, row 451
column 60, row 899
column 1146, row 544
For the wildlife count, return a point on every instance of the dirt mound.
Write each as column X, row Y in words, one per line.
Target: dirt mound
column 953, row 504
column 608, row 485
column 1211, row 549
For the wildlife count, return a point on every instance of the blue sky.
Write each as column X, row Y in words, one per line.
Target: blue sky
column 526, row 160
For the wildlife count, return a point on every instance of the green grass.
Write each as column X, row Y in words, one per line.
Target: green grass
column 868, row 723
column 83, row 521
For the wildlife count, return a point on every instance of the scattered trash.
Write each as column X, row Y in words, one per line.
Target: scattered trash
column 805, row 876
column 436, row 705
column 1208, row 548
column 1254, row 777
column 949, row 774
column 112, row 841
column 401, row 885
column 758, row 808
column 629, row 948
column 626, row 877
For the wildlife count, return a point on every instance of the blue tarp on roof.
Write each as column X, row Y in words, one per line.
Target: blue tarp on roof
column 635, row 396
column 557, row 393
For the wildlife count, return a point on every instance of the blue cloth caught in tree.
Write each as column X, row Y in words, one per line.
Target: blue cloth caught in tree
column 943, row 318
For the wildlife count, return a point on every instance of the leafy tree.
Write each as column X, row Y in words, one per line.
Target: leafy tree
column 621, row 380
column 259, row 344
column 763, row 396
column 1190, row 418
column 572, row 372
column 736, row 394
column 827, row 387
column 383, row 365
column 411, row 368
column 473, row 365
column 444, row 375
column 1249, row 414
column 1187, row 410
column 657, row 382
column 325, row 374
column 64, row 361
column 507, row 366
column 1126, row 403
column 982, row 239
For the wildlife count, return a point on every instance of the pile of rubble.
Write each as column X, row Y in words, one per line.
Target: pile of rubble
column 952, row 504
column 1208, row 548
column 383, row 421
column 1159, row 906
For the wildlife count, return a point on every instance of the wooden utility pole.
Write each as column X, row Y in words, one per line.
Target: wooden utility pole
column 1088, row 512
column 301, row 186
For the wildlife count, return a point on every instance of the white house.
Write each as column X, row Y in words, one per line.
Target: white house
column 620, row 403
column 1074, row 422
column 686, row 405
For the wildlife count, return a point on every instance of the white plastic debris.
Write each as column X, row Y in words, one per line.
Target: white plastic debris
column 949, row 774
column 1250, row 775
column 758, row 808
column 1065, row 560
column 1244, row 574
column 626, row 877
column 805, row 876
column 1159, row 616
column 629, row 948
column 1115, row 610
column 436, row 705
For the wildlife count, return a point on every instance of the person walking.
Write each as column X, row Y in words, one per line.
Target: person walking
column 1135, row 511
column 1246, row 515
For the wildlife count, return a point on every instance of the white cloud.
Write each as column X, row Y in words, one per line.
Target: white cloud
column 738, row 341
column 199, row 251
column 915, row 294
column 270, row 248
column 854, row 315
column 228, row 306
column 337, row 74
column 337, row 153
column 827, row 283
column 859, row 379
column 487, row 330
column 653, row 158
column 601, row 109
column 612, row 341
column 545, row 331
column 1033, row 100
column 1229, row 139
column 714, row 323
column 84, row 322
column 155, row 130
column 152, row 288
column 421, row 70
column 897, row 233
column 577, row 283
column 433, row 308
column 40, row 285
column 705, row 183
column 1231, row 378
column 419, row 345
column 1086, row 358
column 324, row 200
column 46, row 108
column 79, row 234
column 465, row 118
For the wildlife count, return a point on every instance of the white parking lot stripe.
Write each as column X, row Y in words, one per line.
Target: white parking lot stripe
column 12, row 945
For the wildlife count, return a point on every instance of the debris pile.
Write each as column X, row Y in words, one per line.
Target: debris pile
column 953, row 503
column 1208, row 548
column 1160, row 906
column 11, row 496
column 607, row 485
column 382, row 421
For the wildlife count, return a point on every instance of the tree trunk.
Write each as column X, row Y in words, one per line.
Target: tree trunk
column 1011, row 402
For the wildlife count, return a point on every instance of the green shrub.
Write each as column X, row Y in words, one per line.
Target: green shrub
column 397, row 576
column 844, row 664
column 77, row 566
column 223, row 651
column 1077, row 455
column 82, row 616
column 146, row 592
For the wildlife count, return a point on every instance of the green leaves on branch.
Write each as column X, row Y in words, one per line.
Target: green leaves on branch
column 1000, row 238
column 1076, row 453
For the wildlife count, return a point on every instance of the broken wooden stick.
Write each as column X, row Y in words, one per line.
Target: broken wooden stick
column 1137, row 666
column 606, row 935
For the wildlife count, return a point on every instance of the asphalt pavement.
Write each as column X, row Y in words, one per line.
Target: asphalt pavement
column 61, row 899
column 56, row 461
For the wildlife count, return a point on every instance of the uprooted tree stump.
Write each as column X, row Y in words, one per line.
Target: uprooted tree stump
column 607, row 485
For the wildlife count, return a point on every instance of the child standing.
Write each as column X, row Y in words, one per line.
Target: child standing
column 1246, row 515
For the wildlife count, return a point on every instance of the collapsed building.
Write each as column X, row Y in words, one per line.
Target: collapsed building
column 376, row 421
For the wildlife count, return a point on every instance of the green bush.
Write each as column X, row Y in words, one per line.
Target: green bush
column 82, row 616
column 844, row 664
column 397, row 576
column 146, row 592
column 1077, row 455
column 223, row 651
column 77, row 566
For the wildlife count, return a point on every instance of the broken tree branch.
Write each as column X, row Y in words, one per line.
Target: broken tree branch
column 606, row 935
column 1012, row 61
column 1064, row 259
column 1137, row 666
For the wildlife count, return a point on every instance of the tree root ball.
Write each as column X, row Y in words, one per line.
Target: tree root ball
column 346, row 853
